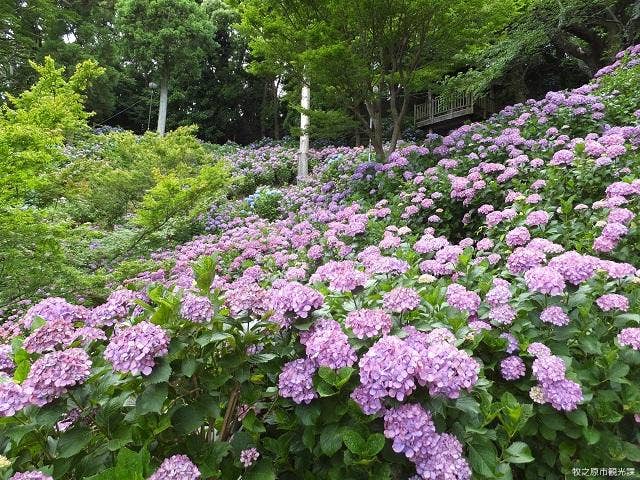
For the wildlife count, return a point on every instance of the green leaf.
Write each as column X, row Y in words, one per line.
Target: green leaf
column 468, row 404
column 186, row 419
column 73, row 441
column 263, row 470
column 152, row 399
column 375, row 443
column 518, row 452
column 308, row 414
column 354, row 441
column 161, row 372
column 330, row 440
column 251, row 423
column 483, row 457
column 188, row 367
column 129, row 465
column 578, row 417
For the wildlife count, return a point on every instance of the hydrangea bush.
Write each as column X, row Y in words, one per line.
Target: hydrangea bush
column 468, row 308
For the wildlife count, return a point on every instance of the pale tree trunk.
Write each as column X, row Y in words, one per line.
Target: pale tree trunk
column 164, row 97
column 303, row 154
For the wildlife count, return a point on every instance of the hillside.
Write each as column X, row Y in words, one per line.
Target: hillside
column 467, row 308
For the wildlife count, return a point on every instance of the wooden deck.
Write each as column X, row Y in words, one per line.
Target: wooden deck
column 440, row 109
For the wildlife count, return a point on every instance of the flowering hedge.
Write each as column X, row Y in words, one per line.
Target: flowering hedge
column 468, row 308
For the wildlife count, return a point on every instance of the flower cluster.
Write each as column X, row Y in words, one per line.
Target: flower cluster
column 249, row 456
column 133, row 349
column 367, row 323
column 328, row 346
column 177, row 467
column 196, row 308
column 436, row 456
column 401, row 299
column 296, row 380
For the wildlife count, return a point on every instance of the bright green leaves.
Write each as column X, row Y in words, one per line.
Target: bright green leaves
column 518, row 452
column 328, row 382
column 129, row 466
column 360, row 446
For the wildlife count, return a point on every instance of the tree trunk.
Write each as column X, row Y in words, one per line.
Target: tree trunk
column 164, row 97
column 276, row 109
column 305, row 103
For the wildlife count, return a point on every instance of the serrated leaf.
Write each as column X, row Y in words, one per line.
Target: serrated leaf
column 482, row 457
column 186, row 419
column 151, row 399
column 263, row 470
column 330, row 440
column 578, row 417
column 374, row 444
column 353, row 441
column 308, row 414
column 160, row 373
column 518, row 452
column 73, row 441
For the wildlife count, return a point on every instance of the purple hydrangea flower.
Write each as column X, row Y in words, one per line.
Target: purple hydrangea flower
column 555, row 315
column 538, row 350
column 564, row 395
column 548, row 368
column 544, row 280
column 512, row 368
column 342, row 276
column 517, row 237
column 613, row 301
column 537, row 218
column 134, row 349
column 367, row 323
column 401, row 299
column 574, row 268
column 630, row 337
column 462, row 299
column 328, row 346
column 196, row 308
column 34, row 475
column 296, row 380
column 249, row 456
column 54, row 373
column 12, row 397
column 7, row 365
column 177, row 467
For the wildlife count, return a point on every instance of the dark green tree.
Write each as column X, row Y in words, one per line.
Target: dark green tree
column 165, row 37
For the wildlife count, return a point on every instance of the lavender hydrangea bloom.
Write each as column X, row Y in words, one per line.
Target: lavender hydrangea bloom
column 401, row 299
column 573, row 267
column 498, row 295
column 54, row 373
column 295, row 298
column 12, row 397
column 177, row 467
column 537, row 218
column 555, row 315
column 34, row 475
column 539, row 350
column 613, row 301
column 564, row 395
column 630, row 337
column 56, row 332
column 462, row 299
column 411, row 430
column 512, row 342
column 328, row 346
column 523, row 259
column 117, row 307
column 134, row 349
column 445, row 461
column 367, row 323
column 249, row 456
column 447, row 371
column 386, row 370
column 548, row 369
column 503, row 314
column 544, row 280
column 196, row 308
column 342, row 276
column 53, row 308
column 7, row 365
column 512, row 368
column 296, row 380
column 517, row 237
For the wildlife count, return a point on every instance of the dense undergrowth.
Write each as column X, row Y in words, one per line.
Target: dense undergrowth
column 469, row 307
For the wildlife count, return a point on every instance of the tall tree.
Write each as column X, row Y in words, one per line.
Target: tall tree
column 164, row 36
column 370, row 51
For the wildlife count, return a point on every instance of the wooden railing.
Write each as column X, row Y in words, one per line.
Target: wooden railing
column 441, row 108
